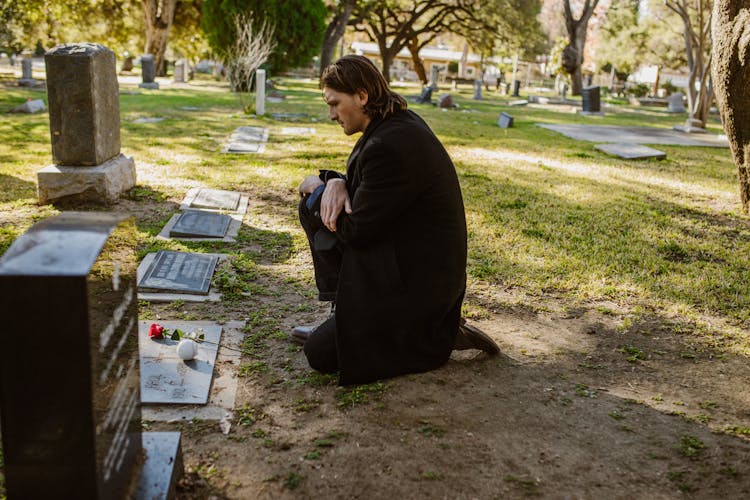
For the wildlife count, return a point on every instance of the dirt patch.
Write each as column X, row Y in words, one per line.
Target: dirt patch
column 583, row 403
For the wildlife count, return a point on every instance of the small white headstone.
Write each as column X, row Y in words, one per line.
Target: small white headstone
column 260, row 92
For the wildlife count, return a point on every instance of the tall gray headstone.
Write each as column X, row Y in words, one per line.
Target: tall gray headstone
column 180, row 71
column 590, row 100
column 27, row 77
column 516, row 87
column 434, row 74
column 477, row 89
column 148, row 72
column 84, row 115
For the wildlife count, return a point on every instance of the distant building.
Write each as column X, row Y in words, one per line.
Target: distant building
column 469, row 65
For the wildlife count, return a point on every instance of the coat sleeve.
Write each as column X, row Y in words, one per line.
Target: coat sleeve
column 388, row 186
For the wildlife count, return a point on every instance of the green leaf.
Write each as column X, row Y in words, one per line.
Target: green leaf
column 176, row 334
column 202, row 336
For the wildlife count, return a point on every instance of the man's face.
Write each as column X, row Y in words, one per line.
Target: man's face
column 347, row 109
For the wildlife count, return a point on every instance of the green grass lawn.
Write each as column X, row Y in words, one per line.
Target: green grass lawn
column 548, row 216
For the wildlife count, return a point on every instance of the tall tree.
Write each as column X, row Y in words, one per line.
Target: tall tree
column 696, row 21
column 396, row 24
column 158, row 16
column 731, row 78
column 298, row 33
column 623, row 37
column 341, row 11
column 573, row 53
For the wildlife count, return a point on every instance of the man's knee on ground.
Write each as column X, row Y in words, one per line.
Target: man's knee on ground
column 320, row 358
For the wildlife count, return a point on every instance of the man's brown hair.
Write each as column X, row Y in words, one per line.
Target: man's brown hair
column 351, row 74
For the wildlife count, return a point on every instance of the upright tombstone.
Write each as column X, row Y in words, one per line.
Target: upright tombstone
column 70, row 410
column 434, row 74
column 69, row 371
column 180, row 71
column 675, row 103
column 260, row 92
column 516, row 87
column 27, row 76
column 477, row 89
column 590, row 99
column 148, row 72
column 84, row 117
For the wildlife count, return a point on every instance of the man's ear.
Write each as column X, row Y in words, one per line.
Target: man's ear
column 362, row 93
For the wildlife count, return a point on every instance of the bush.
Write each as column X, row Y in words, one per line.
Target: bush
column 669, row 87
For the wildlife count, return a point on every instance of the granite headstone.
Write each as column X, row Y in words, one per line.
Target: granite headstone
column 148, row 72
column 69, row 370
column 675, row 103
column 84, row 104
column 505, row 120
column 84, row 111
column 590, row 99
column 27, row 76
column 516, row 87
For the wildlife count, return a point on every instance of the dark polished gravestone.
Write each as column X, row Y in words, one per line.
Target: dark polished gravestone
column 179, row 272
column 591, row 100
column 200, row 224
column 69, row 371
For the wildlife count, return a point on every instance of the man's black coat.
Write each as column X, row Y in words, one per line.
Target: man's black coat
column 403, row 274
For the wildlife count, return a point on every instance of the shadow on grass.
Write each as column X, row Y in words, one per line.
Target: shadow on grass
column 14, row 188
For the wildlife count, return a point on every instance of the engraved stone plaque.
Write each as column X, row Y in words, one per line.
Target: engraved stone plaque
column 505, row 120
column 216, row 199
column 200, row 224
column 631, row 151
column 165, row 378
column 250, row 134
column 179, row 272
column 245, row 147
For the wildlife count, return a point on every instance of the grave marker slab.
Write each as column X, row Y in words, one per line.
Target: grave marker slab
column 200, row 224
column 223, row 393
column 165, row 378
column 630, row 151
column 675, row 103
column 245, row 147
column 71, row 420
column 590, row 99
column 505, row 120
column 289, row 116
column 216, row 199
column 179, row 272
column 250, row 134
column 298, row 131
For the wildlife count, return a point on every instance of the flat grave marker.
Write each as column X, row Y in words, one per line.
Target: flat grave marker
column 223, row 392
column 630, row 151
column 170, row 295
column 637, row 135
column 231, row 202
column 200, row 224
column 298, row 131
column 179, row 272
column 165, row 377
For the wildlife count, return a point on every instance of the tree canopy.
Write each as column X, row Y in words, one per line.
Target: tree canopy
column 298, row 34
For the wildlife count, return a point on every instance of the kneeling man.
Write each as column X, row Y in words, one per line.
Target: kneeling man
column 388, row 239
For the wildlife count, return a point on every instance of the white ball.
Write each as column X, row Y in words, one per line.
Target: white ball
column 187, row 349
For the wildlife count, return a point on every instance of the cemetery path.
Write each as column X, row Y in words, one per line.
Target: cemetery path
column 579, row 404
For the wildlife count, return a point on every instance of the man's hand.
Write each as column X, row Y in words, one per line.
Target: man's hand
column 309, row 185
column 335, row 198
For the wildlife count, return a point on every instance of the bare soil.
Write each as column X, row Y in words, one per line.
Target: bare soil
column 580, row 404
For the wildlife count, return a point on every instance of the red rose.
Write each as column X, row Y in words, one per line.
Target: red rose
column 156, row 331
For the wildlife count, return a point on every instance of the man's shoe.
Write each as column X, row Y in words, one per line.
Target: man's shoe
column 300, row 334
column 471, row 337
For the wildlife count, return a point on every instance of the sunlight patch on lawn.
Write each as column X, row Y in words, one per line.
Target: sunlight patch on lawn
column 616, row 175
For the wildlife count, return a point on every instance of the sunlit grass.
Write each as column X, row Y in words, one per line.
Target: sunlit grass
column 548, row 215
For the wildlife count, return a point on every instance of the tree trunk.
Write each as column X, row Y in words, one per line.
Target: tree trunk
column 731, row 79
column 158, row 16
column 576, row 29
column 418, row 64
column 335, row 31
column 655, row 90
